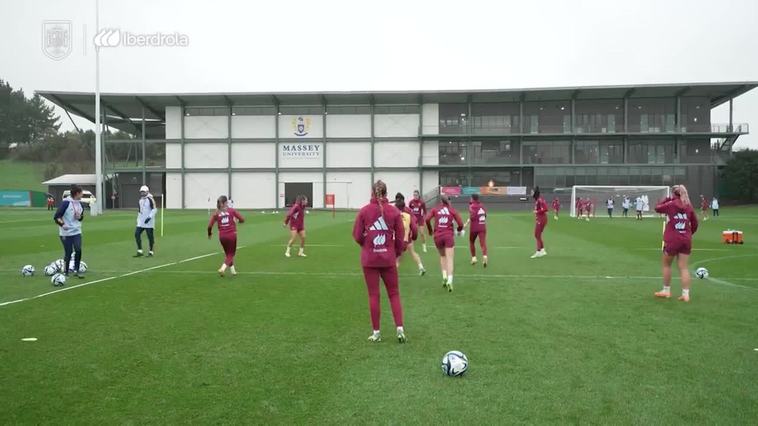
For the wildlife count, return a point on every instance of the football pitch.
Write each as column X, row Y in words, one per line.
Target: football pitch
column 574, row 337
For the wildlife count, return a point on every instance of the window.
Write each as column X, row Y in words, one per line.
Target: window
column 206, row 111
column 348, row 109
column 495, row 118
column 695, row 151
column 494, row 152
column 547, row 117
column 695, row 114
column 547, row 152
column 499, row 177
column 599, row 116
column 651, row 152
column 652, row 115
column 396, row 109
column 452, row 152
column 586, row 152
column 253, row 110
column 453, row 118
column 453, row 178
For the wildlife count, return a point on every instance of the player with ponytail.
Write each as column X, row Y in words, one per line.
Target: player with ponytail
column 411, row 232
column 681, row 224
column 296, row 221
column 439, row 222
column 379, row 230
column 226, row 219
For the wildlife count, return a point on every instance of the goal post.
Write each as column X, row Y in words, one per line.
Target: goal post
column 648, row 196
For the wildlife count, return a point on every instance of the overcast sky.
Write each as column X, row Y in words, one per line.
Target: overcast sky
column 293, row 45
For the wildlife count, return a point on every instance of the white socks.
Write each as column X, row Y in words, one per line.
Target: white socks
column 400, row 330
column 667, row 289
column 234, row 271
column 444, row 275
column 223, row 267
column 449, row 279
column 685, row 291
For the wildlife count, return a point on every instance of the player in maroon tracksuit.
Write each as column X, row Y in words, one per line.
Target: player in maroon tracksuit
column 411, row 232
column 540, row 216
column 418, row 207
column 681, row 224
column 379, row 231
column 443, row 216
column 477, row 218
column 226, row 219
column 556, row 207
column 704, row 204
column 296, row 221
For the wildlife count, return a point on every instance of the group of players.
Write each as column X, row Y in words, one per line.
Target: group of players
column 385, row 231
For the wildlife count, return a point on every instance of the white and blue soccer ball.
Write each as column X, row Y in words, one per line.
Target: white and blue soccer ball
column 58, row 280
column 701, row 273
column 59, row 264
column 454, row 363
column 82, row 267
column 27, row 271
column 51, row 269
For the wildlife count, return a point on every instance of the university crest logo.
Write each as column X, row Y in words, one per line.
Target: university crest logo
column 301, row 126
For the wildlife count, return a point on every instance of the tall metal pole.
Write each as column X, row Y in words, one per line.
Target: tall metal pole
column 100, row 194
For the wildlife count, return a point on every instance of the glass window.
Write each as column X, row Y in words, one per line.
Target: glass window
column 547, row 117
column 694, row 151
column 599, row 116
column 348, row 109
column 653, row 115
column 651, row 152
column 499, row 177
column 453, row 178
column 695, row 114
column 452, row 152
column 495, row 118
column 495, row 152
column 547, row 152
column 586, row 152
column 453, row 118
column 396, row 109
column 206, row 111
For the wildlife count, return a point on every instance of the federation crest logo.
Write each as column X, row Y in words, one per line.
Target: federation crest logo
column 56, row 39
column 301, row 126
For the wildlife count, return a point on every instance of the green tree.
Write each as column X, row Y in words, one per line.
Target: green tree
column 24, row 120
column 740, row 176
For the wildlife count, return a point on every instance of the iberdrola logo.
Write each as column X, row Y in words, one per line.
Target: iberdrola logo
column 301, row 126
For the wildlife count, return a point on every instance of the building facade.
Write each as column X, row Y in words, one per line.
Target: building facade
column 262, row 149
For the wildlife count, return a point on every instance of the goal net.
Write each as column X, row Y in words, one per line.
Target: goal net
column 644, row 196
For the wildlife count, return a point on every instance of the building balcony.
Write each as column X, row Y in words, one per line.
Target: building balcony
column 714, row 130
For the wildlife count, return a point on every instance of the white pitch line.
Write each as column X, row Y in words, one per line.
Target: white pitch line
column 101, row 280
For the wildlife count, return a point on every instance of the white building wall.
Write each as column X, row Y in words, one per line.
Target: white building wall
column 431, row 180
column 173, row 122
column 253, row 155
column 348, row 154
column 351, row 189
column 431, row 124
column 313, row 126
column 173, row 156
column 405, row 182
column 206, row 155
column 396, row 154
column 174, row 190
column 396, row 125
column 253, row 126
column 206, row 127
column 315, row 177
column 431, row 153
column 348, row 126
column 202, row 189
column 254, row 190
column 300, row 154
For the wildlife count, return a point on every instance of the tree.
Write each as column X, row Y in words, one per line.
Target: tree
column 24, row 120
column 740, row 176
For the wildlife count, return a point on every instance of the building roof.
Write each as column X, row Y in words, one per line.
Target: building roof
column 73, row 179
column 124, row 110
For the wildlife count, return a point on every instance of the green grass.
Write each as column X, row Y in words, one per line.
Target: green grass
column 22, row 175
column 575, row 337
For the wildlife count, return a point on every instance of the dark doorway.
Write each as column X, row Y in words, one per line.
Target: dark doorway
column 293, row 189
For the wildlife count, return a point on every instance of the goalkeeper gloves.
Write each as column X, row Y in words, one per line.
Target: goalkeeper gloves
column 147, row 220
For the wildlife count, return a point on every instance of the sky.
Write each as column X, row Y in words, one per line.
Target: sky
column 247, row 46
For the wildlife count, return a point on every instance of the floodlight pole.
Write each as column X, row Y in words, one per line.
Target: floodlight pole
column 100, row 194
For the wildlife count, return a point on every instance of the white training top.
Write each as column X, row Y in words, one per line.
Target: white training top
column 147, row 210
column 609, row 203
column 640, row 203
column 715, row 204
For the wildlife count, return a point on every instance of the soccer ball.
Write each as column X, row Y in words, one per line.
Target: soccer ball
column 454, row 363
column 82, row 267
column 51, row 269
column 58, row 280
column 702, row 273
column 27, row 271
column 59, row 264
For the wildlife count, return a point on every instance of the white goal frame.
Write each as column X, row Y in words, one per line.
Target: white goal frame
column 618, row 189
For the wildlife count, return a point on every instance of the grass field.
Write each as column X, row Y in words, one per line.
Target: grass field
column 575, row 337
column 22, row 175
